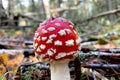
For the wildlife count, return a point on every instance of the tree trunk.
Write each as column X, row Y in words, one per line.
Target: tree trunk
column 110, row 7
column 53, row 5
column 11, row 8
column 42, row 9
column 3, row 15
column 32, row 6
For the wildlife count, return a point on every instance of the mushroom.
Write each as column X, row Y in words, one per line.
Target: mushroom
column 57, row 42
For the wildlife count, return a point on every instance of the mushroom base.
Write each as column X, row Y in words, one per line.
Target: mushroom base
column 60, row 70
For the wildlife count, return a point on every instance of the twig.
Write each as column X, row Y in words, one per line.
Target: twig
column 93, row 74
column 7, row 73
column 112, row 74
column 87, row 75
column 97, row 74
column 114, row 71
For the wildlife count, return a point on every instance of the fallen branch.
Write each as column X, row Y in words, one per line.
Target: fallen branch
column 17, row 41
column 31, row 18
column 97, row 53
column 99, row 15
column 38, row 64
column 87, row 65
column 63, row 9
column 87, row 50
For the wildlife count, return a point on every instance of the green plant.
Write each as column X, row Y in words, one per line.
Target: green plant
column 32, row 73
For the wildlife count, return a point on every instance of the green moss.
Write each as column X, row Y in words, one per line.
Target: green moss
column 102, row 41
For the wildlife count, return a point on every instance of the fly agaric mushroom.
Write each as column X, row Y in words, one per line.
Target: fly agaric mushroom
column 57, row 42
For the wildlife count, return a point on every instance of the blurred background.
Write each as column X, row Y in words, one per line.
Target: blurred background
column 20, row 18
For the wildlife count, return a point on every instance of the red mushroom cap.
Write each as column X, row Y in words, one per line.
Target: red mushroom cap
column 56, row 39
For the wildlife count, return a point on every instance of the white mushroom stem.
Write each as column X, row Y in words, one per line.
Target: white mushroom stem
column 60, row 70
